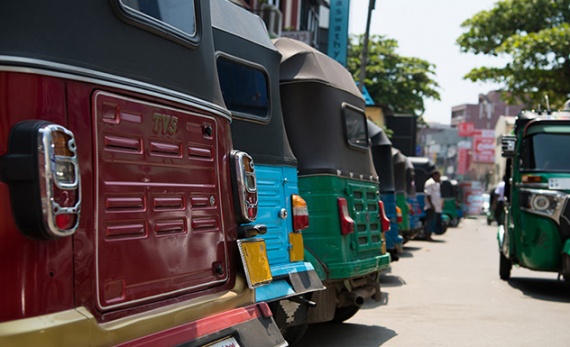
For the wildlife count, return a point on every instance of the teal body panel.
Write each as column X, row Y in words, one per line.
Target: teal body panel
column 343, row 256
column 275, row 185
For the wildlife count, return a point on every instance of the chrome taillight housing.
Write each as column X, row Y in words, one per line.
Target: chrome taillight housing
column 245, row 186
column 42, row 171
column 300, row 213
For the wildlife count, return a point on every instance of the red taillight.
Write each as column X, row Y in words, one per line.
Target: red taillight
column 382, row 215
column 300, row 213
column 346, row 223
column 399, row 218
column 42, row 171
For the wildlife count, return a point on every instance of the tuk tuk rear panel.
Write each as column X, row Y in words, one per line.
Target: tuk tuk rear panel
column 354, row 254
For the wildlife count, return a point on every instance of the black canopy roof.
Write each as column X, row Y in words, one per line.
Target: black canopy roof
column 241, row 37
column 95, row 39
column 423, row 167
column 381, row 148
column 316, row 95
column 399, row 164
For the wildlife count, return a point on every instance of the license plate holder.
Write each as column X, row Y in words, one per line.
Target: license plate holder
column 253, row 254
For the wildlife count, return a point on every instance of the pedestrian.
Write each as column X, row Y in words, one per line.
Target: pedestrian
column 500, row 201
column 433, row 205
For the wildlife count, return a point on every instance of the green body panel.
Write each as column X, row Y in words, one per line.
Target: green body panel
column 533, row 240
column 404, row 226
column 450, row 207
column 566, row 248
column 538, row 243
column 343, row 256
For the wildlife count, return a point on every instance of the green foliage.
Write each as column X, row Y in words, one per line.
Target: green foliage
column 535, row 35
column 402, row 83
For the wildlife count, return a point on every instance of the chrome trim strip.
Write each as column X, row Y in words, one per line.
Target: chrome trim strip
column 562, row 200
column 48, row 68
column 532, row 185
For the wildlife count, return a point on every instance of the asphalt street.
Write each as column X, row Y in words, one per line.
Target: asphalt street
column 448, row 293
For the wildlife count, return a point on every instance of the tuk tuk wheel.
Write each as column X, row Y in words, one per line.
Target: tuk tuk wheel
column 454, row 222
column 489, row 221
column 344, row 313
column 505, row 267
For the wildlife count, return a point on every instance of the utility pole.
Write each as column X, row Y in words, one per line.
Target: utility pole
column 364, row 53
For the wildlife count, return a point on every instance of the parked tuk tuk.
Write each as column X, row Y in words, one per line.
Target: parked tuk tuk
column 121, row 195
column 451, row 196
column 401, row 188
column 248, row 70
column 326, row 127
column 412, row 199
column 536, row 229
column 381, row 148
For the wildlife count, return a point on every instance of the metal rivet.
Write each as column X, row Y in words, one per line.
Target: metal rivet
column 212, row 200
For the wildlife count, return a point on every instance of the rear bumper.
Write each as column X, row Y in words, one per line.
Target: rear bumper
column 191, row 323
column 338, row 271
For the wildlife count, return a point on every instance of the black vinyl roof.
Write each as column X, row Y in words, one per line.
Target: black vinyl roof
column 399, row 164
column 316, row 94
column 423, row 168
column 241, row 36
column 95, row 38
column 302, row 62
column 382, row 157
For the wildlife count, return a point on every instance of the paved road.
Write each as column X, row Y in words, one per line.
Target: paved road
column 448, row 293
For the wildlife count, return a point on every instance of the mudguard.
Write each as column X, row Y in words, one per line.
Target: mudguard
column 503, row 248
column 319, row 267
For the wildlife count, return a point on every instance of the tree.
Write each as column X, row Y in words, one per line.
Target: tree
column 402, row 83
column 535, row 36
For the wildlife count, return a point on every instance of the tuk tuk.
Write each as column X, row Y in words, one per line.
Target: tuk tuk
column 248, row 70
column 401, row 188
column 121, row 196
column 381, row 148
column 536, row 229
column 451, row 196
column 412, row 198
column 326, row 127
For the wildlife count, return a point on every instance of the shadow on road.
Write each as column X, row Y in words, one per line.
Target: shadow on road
column 542, row 288
column 346, row 334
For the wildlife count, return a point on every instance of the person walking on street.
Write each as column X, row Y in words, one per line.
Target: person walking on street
column 433, row 206
column 500, row 201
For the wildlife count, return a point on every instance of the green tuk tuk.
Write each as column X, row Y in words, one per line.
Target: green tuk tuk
column 536, row 229
column 326, row 126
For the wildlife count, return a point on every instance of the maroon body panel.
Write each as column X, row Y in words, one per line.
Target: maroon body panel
column 157, row 225
column 37, row 275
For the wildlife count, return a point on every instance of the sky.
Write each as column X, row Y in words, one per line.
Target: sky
column 428, row 29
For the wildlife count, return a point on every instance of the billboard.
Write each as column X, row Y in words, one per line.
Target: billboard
column 483, row 149
column 465, row 129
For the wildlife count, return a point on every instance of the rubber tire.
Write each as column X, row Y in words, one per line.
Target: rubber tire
column 454, row 222
column 505, row 267
column 344, row 313
column 489, row 221
column 295, row 333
